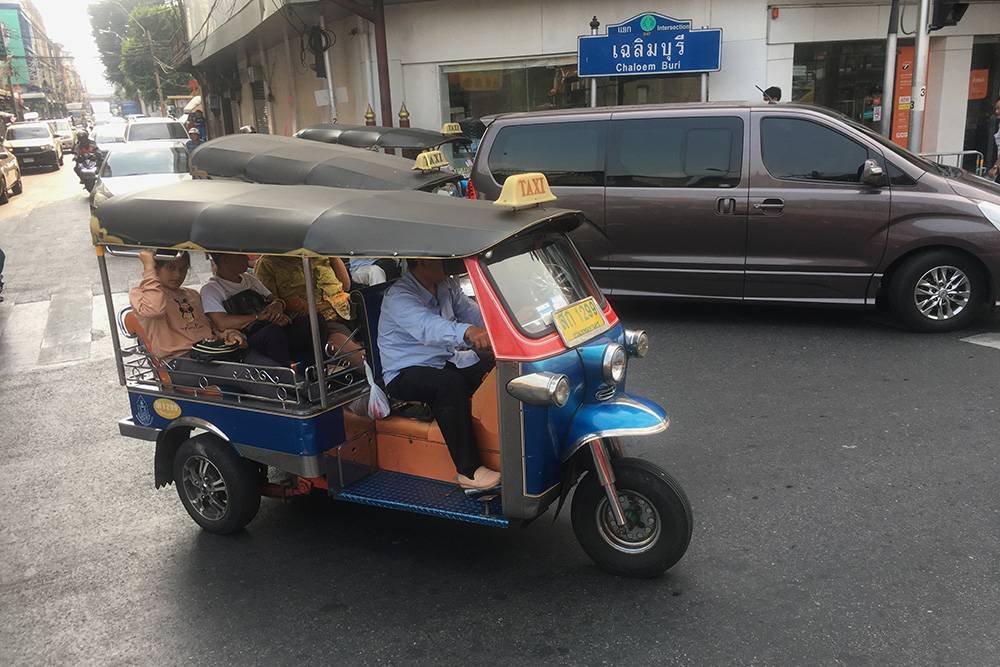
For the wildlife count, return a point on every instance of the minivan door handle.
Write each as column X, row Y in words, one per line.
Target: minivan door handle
column 773, row 205
column 725, row 205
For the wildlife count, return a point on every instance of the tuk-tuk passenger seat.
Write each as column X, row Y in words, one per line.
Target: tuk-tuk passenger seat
column 129, row 321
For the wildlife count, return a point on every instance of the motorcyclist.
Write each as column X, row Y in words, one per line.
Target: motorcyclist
column 86, row 157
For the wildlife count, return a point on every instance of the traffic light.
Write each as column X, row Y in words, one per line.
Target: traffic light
column 946, row 13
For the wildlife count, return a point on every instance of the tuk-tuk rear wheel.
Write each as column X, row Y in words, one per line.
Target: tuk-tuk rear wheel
column 658, row 514
column 217, row 487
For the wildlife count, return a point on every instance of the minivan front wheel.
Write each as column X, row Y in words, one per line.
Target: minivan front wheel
column 938, row 291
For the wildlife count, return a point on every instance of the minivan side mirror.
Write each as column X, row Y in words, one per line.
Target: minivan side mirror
column 872, row 174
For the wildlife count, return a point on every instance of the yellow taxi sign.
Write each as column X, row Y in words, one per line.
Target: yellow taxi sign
column 451, row 128
column 524, row 190
column 429, row 161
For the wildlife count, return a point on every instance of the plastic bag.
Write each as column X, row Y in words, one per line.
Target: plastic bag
column 378, row 402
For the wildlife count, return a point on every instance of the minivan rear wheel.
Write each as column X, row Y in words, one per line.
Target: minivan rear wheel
column 938, row 291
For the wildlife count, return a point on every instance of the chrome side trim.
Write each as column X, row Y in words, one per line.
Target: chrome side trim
column 841, row 274
column 198, row 422
column 130, row 429
column 303, row 466
column 777, row 299
column 657, row 269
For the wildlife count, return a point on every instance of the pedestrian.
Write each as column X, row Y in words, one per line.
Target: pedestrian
column 194, row 139
column 995, row 169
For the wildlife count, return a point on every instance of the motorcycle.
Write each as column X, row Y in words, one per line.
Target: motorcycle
column 87, row 163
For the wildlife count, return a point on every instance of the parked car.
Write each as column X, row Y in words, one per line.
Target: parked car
column 63, row 129
column 146, row 129
column 34, row 145
column 10, row 175
column 138, row 165
column 785, row 204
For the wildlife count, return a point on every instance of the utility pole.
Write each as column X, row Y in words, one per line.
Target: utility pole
column 10, row 85
column 919, row 92
column 889, row 79
column 156, row 71
column 594, row 25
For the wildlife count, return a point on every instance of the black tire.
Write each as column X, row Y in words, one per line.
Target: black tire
column 18, row 187
column 903, row 288
column 210, row 459
column 642, row 481
column 60, row 160
column 4, row 197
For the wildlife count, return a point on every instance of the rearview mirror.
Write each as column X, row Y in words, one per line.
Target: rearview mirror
column 872, row 174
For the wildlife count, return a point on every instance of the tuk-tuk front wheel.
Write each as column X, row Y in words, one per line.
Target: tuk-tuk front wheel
column 658, row 520
column 218, row 488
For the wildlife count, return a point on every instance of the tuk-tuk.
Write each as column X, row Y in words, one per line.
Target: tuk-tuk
column 273, row 159
column 457, row 141
column 550, row 416
column 383, row 137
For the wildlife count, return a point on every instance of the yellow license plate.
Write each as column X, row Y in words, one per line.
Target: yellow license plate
column 580, row 321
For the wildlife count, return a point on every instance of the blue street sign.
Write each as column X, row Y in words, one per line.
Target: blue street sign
column 650, row 44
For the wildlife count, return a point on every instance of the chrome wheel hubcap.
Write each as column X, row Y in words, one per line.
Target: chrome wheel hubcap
column 642, row 523
column 942, row 293
column 205, row 488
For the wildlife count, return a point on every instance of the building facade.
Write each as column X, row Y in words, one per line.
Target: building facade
column 450, row 60
column 42, row 75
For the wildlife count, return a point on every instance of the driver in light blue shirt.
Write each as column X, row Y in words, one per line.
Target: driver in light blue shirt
column 429, row 333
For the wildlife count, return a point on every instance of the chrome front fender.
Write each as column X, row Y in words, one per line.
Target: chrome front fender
column 621, row 416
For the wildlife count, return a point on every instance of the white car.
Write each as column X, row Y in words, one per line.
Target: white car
column 147, row 129
column 139, row 165
column 34, row 145
column 107, row 135
column 63, row 128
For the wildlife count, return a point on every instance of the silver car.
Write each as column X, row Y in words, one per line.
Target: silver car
column 139, row 165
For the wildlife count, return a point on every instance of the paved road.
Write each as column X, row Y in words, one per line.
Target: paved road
column 842, row 472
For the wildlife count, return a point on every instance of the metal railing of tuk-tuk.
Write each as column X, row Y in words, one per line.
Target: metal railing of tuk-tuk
column 136, row 365
column 972, row 161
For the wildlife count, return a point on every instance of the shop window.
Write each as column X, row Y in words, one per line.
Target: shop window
column 567, row 153
column 534, row 86
column 843, row 76
column 802, row 150
column 675, row 153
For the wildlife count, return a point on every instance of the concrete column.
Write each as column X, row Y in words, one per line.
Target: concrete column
column 947, row 94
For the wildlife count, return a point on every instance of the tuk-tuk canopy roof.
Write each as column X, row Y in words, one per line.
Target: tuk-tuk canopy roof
column 377, row 136
column 266, row 158
column 233, row 216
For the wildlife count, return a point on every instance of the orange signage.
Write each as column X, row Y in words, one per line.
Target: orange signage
column 979, row 82
column 481, row 81
column 902, row 103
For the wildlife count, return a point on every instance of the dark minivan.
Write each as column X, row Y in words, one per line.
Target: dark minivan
column 760, row 203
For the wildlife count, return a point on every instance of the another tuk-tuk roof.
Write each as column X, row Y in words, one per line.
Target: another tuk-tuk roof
column 278, row 160
column 234, row 216
column 377, row 136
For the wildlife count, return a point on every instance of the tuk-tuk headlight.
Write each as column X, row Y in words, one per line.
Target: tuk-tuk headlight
column 636, row 342
column 540, row 389
column 613, row 364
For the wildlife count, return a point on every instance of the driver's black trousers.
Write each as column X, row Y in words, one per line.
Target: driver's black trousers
column 449, row 392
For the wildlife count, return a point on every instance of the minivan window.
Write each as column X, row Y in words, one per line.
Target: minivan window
column 803, row 150
column 700, row 152
column 567, row 153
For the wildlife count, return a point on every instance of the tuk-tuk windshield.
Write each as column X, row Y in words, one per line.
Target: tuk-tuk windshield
column 537, row 276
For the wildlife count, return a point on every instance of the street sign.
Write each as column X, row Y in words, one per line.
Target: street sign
column 650, row 44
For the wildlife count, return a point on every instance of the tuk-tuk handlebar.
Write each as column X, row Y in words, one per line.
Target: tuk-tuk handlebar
column 122, row 251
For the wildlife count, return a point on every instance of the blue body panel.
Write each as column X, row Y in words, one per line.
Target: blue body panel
column 304, row 436
column 424, row 496
column 550, row 433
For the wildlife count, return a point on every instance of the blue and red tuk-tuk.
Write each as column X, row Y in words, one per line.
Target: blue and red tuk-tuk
column 551, row 415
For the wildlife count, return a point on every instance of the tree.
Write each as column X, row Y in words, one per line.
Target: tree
column 108, row 22
column 154, row 41
column 134, row 37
